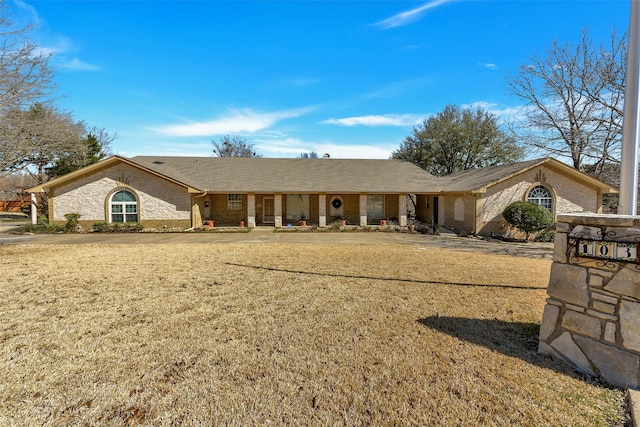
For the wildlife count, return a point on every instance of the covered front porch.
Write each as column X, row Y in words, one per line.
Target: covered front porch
column 282, row 209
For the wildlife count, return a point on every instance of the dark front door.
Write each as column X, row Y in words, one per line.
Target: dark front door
column 435, row 211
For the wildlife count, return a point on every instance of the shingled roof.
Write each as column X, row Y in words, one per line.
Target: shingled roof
column 477, row 180
column 270, row 175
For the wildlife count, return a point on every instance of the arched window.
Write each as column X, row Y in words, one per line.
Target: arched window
column 542, row 196
column 123, row 206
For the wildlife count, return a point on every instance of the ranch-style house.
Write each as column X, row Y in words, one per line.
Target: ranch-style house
column 186, row 192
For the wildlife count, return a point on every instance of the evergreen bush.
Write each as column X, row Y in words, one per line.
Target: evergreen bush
column 72, row 222
column 527, row 217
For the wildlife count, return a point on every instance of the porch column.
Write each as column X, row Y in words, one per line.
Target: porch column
column 599, row 202
column 251, row 210
column 34, row 209
column 196, row 212
column 441, row 219
column 322, row 210
column 363, row 210
column 277, row 207
column 402, row 210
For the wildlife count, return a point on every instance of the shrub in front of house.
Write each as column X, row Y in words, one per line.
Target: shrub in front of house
column 528, row 217
column 42, row 227
column 117, row 227
column 547, row 235
column 72, row 222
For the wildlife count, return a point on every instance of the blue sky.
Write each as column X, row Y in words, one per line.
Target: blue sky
column 348, row 78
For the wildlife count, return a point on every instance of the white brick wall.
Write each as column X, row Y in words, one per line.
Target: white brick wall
column 570, row 195
column 159, row 199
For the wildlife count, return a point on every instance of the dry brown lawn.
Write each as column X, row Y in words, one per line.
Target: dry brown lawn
column 281, row 334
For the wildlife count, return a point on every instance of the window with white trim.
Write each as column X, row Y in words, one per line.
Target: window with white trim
column 541, row 195
column 123, row 207
column 234, row 202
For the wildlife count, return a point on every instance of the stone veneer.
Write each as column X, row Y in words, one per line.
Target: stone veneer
column 592, row 316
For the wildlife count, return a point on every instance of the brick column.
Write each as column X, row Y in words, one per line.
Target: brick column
column 251, row 210
column 277, row 208
column 322, row 210
column 402, row 210
column 363, row 210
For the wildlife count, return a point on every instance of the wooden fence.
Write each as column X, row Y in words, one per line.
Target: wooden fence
column 13, row 205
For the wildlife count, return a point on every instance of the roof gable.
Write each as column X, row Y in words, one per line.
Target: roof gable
column 103, row 164
column 479, row 180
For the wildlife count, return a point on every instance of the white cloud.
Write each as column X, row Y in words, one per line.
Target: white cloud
column 488, row 65
column 78, row 65
column 284, row 146
column 29, row 14
column 378, row 120
column 409, row 16
column 505, row 114
column 236, row 121
column 399, row 88
column 49, row 42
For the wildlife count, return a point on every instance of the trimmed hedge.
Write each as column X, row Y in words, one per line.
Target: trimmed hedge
column 528, row 217
column 117, row 227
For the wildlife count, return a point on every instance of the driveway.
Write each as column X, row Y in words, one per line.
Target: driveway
column 266, row 235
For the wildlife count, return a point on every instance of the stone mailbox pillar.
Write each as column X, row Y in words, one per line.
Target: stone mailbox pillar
column 592, row 316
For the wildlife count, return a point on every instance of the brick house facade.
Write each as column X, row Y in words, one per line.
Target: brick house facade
column 185, row 192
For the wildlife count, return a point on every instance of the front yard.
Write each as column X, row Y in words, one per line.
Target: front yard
column 282, row 334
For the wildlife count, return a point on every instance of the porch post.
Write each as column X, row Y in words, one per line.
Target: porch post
column 251, row 210
column 277, row 207
column 363, row 210
column 402, row 210
column 322, row 210
column 34, row 209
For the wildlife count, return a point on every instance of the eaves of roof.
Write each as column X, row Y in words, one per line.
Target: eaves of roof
column 103, row 164
column 477, row 181
column 270, row 175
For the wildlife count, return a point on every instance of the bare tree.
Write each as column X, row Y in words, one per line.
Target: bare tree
column 25, row 74
column 233, row 146
column 12, row 186
column 573, row 101
column 36, row 138
column 309, row 155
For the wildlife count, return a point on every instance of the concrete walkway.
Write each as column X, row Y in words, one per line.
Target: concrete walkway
column 266, row 235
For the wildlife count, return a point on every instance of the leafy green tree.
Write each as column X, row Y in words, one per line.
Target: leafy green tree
column 96, row 147
column 457, row 139
column 527, row 217
column 233, row 146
